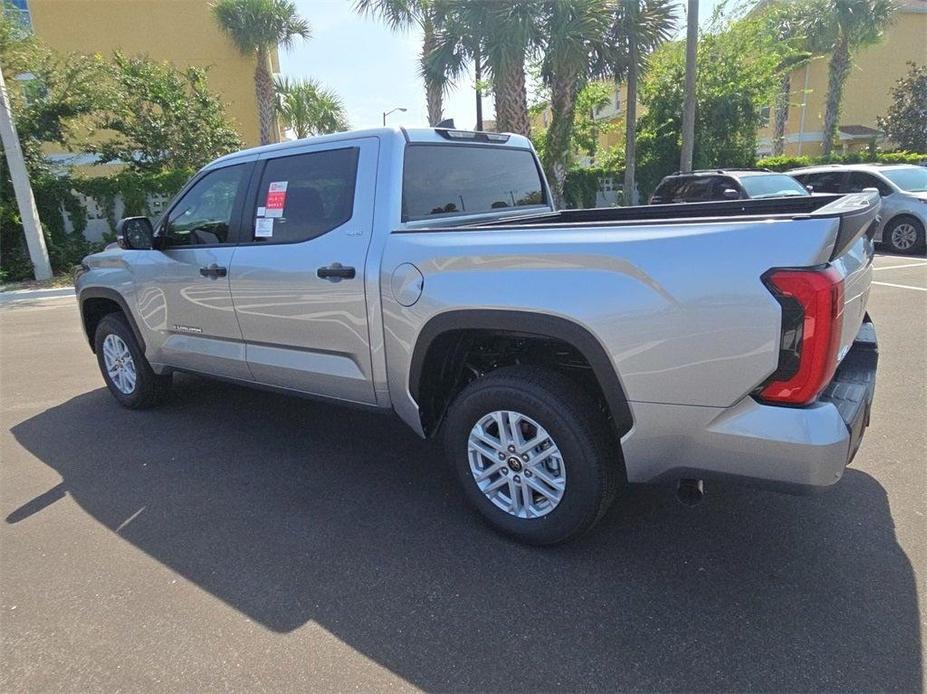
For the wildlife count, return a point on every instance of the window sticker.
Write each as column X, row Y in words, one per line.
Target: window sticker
column 276, row 199
column 261, row 211
column 263, row 227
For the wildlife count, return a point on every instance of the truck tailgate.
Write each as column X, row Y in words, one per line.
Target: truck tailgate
column 852, row 258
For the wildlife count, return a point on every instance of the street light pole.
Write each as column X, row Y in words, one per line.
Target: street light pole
column 386, row 113
column 25, row 200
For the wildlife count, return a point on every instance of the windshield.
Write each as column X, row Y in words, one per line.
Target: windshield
column 445, row 180
column 913, row 179
column 772, row 186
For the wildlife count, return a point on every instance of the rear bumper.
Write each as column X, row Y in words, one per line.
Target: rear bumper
column 794, row 449
column 853, row 387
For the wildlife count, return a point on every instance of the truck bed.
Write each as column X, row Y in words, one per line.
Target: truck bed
column 676, row 212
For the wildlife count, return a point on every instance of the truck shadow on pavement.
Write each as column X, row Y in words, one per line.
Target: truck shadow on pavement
column 291, row 511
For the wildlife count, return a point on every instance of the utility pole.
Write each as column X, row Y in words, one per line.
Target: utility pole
column 688, row 110
column 38, row 253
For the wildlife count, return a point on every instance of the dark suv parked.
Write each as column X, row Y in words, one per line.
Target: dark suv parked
column 721, row 184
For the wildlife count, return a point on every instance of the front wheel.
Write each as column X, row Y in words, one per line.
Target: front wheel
column 904, row 235
column 534, row 454
column 125, row 369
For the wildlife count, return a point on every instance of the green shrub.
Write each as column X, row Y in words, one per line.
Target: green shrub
column 787, row 162
column 56, row 196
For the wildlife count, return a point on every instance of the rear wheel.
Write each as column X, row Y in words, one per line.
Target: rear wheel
column 534, row 454
column 904, row 235
column 125, row 369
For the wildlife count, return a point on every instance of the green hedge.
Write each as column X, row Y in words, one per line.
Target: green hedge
column 57, row 196
column 784, row 163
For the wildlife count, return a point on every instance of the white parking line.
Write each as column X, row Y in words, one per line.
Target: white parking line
column 902, row 286
column 896, row 267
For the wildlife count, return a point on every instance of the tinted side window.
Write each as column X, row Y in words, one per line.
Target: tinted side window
column 461, row 179
column 202, row 216
column 826, row 182
column 304, row 196
column 859, row 180
column 697, row 189
column 722, row 183
column 666, row 191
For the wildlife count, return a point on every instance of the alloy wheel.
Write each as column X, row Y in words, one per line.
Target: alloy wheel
column 904, row 236
column 119, row 363
column 516, row 464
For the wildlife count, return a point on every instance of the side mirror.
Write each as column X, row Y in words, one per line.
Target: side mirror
column 809, row 188
column 730, row 194
column 135, row 233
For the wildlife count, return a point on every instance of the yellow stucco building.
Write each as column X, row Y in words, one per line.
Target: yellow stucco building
column 183, row 32
column 866, row 96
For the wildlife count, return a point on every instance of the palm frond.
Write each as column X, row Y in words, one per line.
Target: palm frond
column 260, row 25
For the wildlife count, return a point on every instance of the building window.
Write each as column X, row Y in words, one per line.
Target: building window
column 18, row 10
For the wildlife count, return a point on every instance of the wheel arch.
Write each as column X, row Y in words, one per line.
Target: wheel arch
column 97, row 302
column 434, row 337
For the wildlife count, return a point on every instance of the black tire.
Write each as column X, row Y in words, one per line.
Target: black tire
column 591, row 453
column 150, row 388
column 893, row 224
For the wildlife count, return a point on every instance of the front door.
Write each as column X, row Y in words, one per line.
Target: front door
column 297, row 278
column 183, row 290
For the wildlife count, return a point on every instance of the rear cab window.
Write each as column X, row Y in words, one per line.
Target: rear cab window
column 443, row 180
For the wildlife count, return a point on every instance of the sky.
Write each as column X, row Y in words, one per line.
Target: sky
column 374, row 70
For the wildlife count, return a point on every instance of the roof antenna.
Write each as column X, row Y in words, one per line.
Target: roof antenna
column 446, row 123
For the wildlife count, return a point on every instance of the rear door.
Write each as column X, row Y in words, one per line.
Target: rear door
column 298, row 275
column 183, row 290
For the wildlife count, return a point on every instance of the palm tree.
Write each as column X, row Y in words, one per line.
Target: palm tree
column 308, row 108
column 639, row 26
column 789, row 23
column 574, row 33
column 844, row 26
column 257, row 27
column 455, row 45
column 511, row 34
column 495, row 36
column 401, row 15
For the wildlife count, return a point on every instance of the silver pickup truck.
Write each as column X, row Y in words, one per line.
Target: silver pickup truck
column 561, row 355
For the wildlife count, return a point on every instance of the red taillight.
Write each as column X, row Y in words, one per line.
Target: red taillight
column 813, row 301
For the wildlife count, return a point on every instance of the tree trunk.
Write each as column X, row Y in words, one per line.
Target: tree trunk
column 511, row 101
column 782, row 114
column 478, row 77
column 688, row 111
column 838, row 71
column 434, row 85
column 557, row 151
column 264, row 91
column 630, row 137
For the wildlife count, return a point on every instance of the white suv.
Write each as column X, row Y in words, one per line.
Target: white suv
column 903, row 188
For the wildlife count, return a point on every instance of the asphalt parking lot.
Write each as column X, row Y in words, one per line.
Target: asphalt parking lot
column 235, row 539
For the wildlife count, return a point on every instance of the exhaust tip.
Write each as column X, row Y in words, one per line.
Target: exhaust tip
column 690, row 492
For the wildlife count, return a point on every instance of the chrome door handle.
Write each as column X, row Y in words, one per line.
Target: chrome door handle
column 213, row 271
